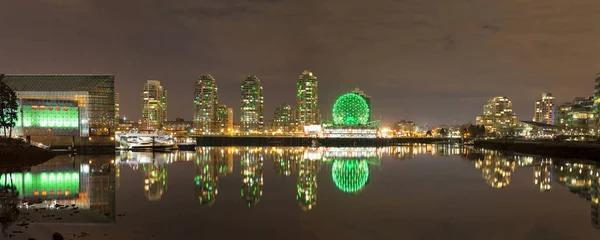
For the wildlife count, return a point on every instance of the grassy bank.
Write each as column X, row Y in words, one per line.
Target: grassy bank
column 16, row 154
column 587, row 150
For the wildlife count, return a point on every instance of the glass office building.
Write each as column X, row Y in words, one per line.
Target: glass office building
column 64, row 104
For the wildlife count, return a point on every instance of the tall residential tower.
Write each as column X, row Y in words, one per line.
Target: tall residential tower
column 206, row 104
column 251, row 116
column 307, row 99
column 497, row 115
column 544, row 109
column 154, row 105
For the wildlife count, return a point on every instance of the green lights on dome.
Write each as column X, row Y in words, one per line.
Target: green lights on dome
column 350, row 110
column 350, row 175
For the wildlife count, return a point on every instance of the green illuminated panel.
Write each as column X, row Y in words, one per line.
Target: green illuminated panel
column 47, row 184
column 350, row 110
column 65, row 118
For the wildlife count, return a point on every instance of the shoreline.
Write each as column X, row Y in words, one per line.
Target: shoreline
column 17, row 155
column 582, row 150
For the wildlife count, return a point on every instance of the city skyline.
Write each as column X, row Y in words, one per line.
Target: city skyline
column 424, row 61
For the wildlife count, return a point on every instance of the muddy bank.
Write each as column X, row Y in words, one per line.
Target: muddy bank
column 16, row 154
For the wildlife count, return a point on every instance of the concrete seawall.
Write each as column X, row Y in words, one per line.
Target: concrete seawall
column 587, row 150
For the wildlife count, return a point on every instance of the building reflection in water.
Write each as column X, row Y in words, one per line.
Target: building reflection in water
column 595, row 205
column 285, row 160
column 351, row 171
column 206, row 181
column 350, row 167
column 306, row 184
column 86, row 183
column 496, row 169
column 408, row 151
column 252, row 175
column 155, row 180
column 153, row 167
column 542, row 174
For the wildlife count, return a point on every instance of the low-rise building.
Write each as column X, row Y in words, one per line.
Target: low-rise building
column 576, row 117
column 64, row 109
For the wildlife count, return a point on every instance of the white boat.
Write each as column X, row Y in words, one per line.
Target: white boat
column 135, row 140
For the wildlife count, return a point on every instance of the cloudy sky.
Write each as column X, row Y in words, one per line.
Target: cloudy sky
column 431, row 61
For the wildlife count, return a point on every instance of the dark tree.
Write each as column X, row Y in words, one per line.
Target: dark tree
column 8, row 108
column 444, row 132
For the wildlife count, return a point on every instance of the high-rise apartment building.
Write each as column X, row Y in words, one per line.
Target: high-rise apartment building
column 596, row 110
column 117, row 108
column 367, row 99
column 225, row 119
column 597, row 93
column 284, row 118
column 544, row 109
column 154, row 105
column 206, row 104
column 497, row 115
column 251, row 116
column 307, row 99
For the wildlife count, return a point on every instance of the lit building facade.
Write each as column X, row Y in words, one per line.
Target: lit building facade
column 597, row 94
column 497, row 115
column 64, row 104
column 405, row 128
column 367, row 99
column 544, row 109
column 252, row 118
column 206, row 104
column 225, row 119
column 577, row 117
column 179, row 127
column 307, row 99
column 154, row 105
column 117, row 108
column 284, row 118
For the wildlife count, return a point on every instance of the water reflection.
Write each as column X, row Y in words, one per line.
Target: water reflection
column 155, row 180
column 66, row 189
column 252, row 176
column 306, row 185
column 86, row 184
column 496, row 169
column 542, row 174
column 207, row 176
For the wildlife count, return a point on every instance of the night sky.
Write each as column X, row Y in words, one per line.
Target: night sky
column 434, row 61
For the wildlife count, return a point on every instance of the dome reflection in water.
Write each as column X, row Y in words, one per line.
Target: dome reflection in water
column 299, row 179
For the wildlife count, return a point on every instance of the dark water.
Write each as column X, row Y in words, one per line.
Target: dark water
column 406, row 192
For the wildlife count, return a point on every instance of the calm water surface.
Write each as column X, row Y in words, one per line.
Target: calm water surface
column 405, row 192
